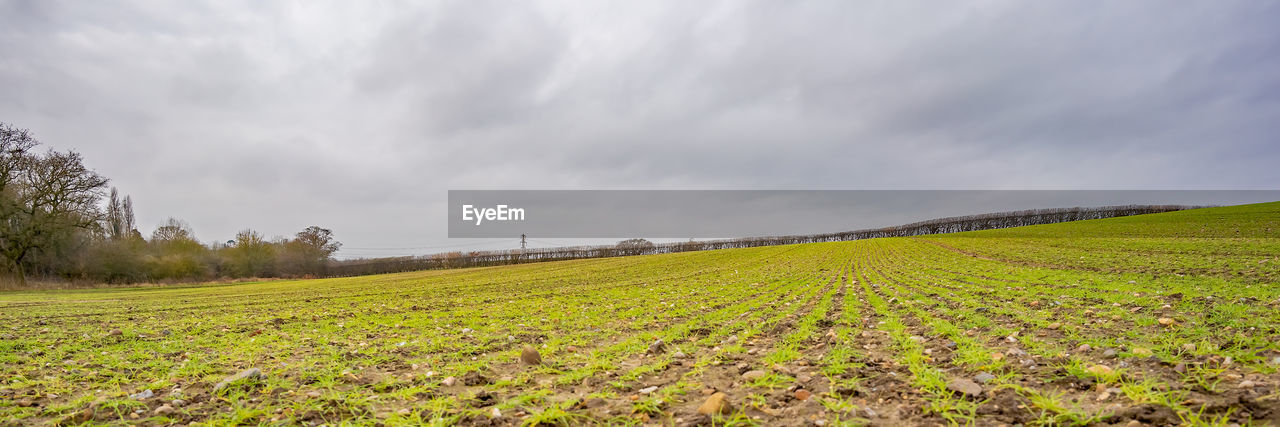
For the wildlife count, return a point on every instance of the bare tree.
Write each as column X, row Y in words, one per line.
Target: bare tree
column 252, row 255
column 319, row 240
column 126, row 217
column 119, row 220
column 634, row 247
column 173, row 229
column 42, row 196
column 310, row 251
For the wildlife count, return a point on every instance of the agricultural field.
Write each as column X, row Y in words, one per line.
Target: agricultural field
column 1165, row 319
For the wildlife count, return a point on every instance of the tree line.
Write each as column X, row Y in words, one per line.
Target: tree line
column 644, row 247
column 59, row 222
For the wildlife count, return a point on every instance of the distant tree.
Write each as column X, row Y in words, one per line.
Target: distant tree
column 172, row 230
column 634, row 247
column 319, row 242
column 119, row 221
column 177, row 253
column 309, row 252
column 252, row 255
column 42, row 197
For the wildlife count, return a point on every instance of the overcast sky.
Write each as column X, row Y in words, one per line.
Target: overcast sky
column 358, row 116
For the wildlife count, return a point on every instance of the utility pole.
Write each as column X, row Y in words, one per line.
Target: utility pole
column 522, row 242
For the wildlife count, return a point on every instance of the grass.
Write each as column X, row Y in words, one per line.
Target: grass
column 874, row 330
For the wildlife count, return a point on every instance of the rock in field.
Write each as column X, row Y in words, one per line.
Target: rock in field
column 530, row 356
column 145, row 394
column 648, row 390
column 716, row 404
column 984, row 377
column 753, row 375
column 657, row 347
column 965, row 387
column 247, row 374
column 803, row 394
column 1165, row 321
column 1100, row 370
column 449, row 382
column 164, row 410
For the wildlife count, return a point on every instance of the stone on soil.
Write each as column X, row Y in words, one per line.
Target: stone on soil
column 965, row 387
column 247, row 374
column 716, row 404
column 1100, row 369
column 753, row 375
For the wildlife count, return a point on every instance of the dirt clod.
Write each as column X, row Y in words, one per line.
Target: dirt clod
column 529, row 356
